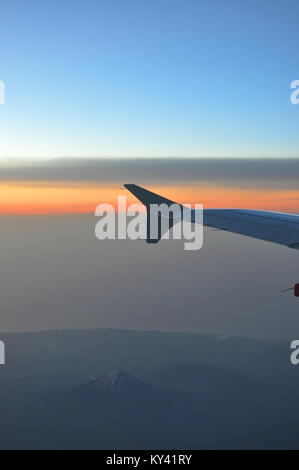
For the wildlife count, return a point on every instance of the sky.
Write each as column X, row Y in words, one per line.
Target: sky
column 140, row 78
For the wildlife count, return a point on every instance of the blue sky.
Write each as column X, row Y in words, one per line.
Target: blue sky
column 149, row 78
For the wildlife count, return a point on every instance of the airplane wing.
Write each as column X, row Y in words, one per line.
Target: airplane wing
column 272, row 227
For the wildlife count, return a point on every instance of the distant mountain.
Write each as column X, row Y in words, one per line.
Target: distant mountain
column 118, row 381
column 118, row 410
column 182, row 391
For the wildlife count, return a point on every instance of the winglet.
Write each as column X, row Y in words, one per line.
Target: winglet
column 147, row 198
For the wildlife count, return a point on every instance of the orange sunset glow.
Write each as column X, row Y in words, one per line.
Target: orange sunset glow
column 61, row 198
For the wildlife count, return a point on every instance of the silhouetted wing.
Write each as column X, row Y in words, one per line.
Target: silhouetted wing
column 147, row 198
column 273, row 227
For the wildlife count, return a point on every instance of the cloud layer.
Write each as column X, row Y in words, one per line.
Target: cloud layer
column 282, row 173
